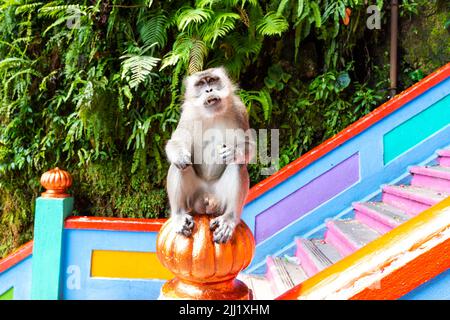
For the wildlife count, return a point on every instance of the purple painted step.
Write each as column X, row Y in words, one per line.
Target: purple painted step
column 411, row 199
column 380, row 216
column 283, row 274
column 315, row 255
column 444, row 157
column 432, row 177
column 349, row 235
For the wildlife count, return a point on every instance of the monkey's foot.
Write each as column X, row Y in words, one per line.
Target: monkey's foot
column 224, row 227
column 184, row 224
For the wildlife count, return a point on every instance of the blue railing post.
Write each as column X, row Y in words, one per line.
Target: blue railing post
column 52, row 208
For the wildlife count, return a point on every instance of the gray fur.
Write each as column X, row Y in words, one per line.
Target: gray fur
column 206, row 174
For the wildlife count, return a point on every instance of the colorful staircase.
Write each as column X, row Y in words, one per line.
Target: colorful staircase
column 428, row 186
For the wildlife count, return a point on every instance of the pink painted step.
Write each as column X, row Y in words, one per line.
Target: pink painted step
column 432, row 177
column 379, row 216
column 283, row 274
column 412, row 199
column 349, row 235
column 444, row 157
column 315, row 255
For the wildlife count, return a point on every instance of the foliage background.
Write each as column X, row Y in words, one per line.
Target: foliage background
column 94, row 86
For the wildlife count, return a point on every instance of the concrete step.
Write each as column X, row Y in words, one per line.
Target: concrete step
column 431, row 177
column 412, row 199
column 283, row 274
column 259, row 285
column 444, row 157
column 315, row 255
column 349, row 235
column 379, row 216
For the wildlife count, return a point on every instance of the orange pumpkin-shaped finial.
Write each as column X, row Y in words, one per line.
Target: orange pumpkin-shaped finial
column 56, row 182
column 205, row 269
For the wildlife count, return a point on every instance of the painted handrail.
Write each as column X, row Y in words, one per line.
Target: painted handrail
column 15, row 257
column 389, row 267
column 351, row 131
column 87, row 223
column 114, row 224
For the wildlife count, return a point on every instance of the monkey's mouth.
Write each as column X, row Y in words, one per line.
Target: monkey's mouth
column 211, row 101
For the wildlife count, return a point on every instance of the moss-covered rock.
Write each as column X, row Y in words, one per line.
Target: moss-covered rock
column 424, row 38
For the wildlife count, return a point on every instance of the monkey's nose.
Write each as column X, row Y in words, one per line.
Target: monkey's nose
column 209, row 90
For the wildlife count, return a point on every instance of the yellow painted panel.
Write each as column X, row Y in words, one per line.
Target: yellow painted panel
column 127, row 264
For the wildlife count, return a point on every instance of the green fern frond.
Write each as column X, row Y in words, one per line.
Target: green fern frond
column 272, row 24
column 139, row 66
column 265, row 100
column 226, row 3
column 207, row 3
column 171, row 59
column 223, row 24
column 175, row 90
column 245, row 45
column 26, row 8
column 300, row 7
column 244, row 17
column 189, row 16
column 13, row 62
column 335, row 9
column 180, row 52
column 244, row 2
column 59, row 21
column 235, row 64
column 197, row 56
column 316, row 14
column 61, row 10
column 262, row 97
column 152, row 29
column 282, row 6
column 223, row 17
column 21, row 72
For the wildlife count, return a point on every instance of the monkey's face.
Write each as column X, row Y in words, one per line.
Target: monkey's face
column 209, row 90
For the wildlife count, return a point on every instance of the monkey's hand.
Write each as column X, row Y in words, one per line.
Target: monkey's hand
column 226, row 154
column 184, row 224
column 182, row 160
column 223, row 226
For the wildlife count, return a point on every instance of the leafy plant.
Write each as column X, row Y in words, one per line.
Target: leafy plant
column 94, row 86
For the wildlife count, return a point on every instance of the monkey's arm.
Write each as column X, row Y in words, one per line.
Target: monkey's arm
column 245, row 151
column 246, row 145
column 178, row 148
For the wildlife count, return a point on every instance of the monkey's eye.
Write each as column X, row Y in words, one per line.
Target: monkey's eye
column 200, row 83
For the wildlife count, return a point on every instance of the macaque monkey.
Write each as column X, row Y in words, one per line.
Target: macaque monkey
column 208, row 169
